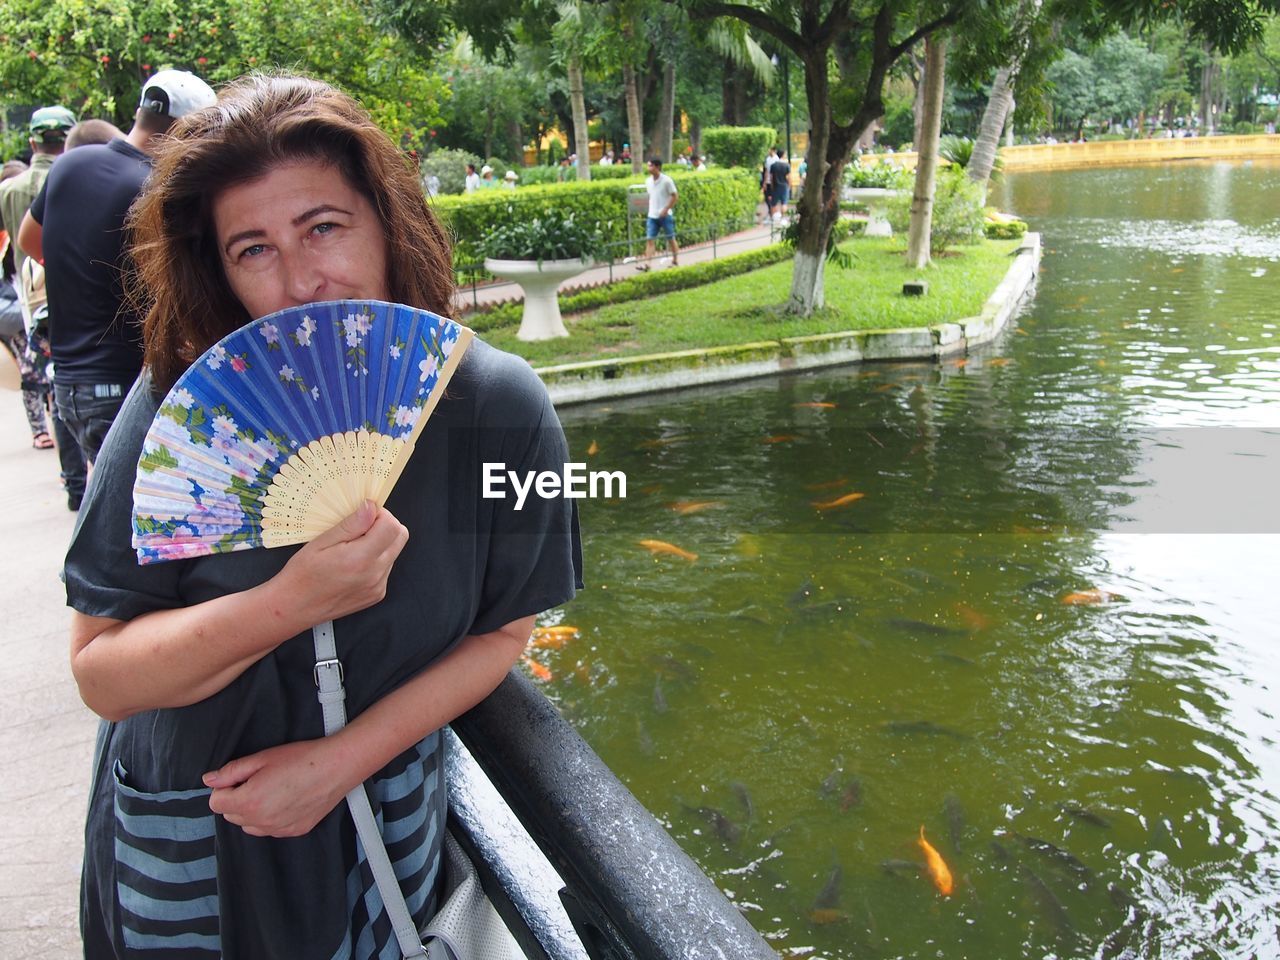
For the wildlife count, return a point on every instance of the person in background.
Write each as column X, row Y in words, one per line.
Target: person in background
column 662, row 200
column 216, row 826
column 766, row 181
column 780, row 174
column 472, row 182
column 76, row 226
column 509, row 179
column 699, row 164
column 607, row 159
column 487, row 181
column 48, row 136
column 92, row 131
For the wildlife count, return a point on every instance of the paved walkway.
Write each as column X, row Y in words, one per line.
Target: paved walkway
column 752, row 239
column 46, row 733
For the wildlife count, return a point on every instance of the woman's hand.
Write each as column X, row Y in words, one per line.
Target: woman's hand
column 281, row 792
column 172, row 658
column 345, row 569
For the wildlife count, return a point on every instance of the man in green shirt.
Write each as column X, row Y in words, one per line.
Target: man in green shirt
column 49, row 128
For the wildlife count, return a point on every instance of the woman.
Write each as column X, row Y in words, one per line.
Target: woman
column 216, row 826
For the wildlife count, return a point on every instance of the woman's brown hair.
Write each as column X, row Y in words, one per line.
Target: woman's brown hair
column 261, row 122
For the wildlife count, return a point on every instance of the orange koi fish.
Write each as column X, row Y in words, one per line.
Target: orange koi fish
column 825, row 915
column 939, row 872
column 815, row 405
column 1090, row 598
column 553, row 638
column 884, row 387
column 538, row 670
column 972, row 618
column 847, row 499
column 662, row 442
column 963, row 361
column 657, row 547
column 781, row 438
column 998, row 362
column 684, row 507
column 593, row 449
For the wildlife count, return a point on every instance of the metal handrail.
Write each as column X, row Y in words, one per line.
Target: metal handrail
column 630, row 890
column 472, row 275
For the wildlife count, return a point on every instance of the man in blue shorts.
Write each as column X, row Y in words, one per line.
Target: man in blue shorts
column 662, row 198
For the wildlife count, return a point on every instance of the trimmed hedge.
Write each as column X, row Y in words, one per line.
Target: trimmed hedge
column 738, row 146
column 639, row 288
column 530, row 176
column 710, row 203
column 1004, row 229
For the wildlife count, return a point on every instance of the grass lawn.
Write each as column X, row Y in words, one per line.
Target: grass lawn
column 747, row 308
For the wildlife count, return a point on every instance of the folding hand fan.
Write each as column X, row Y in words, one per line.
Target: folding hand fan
column 287, row 425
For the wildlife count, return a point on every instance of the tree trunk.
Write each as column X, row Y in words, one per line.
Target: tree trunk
column 695, row 136
column 917, row 105
column 918, row 235
column 999, row 105
column 516, row 134
column 1008, row 124
column 666, row 115
column 635, row 122
column 819, row 204
column 578, row 104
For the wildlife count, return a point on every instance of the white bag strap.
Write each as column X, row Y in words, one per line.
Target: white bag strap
column 329, row 677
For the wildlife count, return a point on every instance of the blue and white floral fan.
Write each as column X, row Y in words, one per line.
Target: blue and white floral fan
column 287, row 425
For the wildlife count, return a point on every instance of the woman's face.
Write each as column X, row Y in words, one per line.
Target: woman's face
column 301, row 233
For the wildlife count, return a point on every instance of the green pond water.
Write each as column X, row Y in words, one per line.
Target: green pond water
column 1102, row 779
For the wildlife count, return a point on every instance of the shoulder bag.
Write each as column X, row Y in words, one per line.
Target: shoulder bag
column 466, row 927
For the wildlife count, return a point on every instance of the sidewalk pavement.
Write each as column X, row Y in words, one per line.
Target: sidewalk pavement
column 753, row 238
column 46, row 733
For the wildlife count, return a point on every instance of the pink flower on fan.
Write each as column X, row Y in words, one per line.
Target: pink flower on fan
column 407, row 416
column 269, row 332
column 238, row 364
column 216, row 356
column 183, row 399
column 395, row 351
column 224, row 426
column 427, row 367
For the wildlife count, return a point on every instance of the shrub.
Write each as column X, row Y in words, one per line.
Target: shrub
column 1004, row 229
column 550, row 235
column 638, row 288
column 884, row 174
column 450, row 166
column 1244, row 127
column 957, row 211
column 738, row 146
column 707, row 201
column 957, row 150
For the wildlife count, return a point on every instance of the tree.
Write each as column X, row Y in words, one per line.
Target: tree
column 935, row 65
column 61, row 51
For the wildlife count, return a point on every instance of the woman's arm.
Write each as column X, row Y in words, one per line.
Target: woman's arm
column 285, row 791
column 172, row 658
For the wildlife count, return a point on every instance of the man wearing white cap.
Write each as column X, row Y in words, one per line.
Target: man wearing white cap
column 76, row 226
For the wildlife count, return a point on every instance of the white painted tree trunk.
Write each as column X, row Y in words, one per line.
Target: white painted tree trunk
column 578, row 104
column 808, row 292
column 918, row 234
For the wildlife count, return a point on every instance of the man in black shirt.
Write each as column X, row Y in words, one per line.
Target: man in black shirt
column 76, row 225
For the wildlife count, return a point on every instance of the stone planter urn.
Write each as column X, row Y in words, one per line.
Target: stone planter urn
column 876, row 199
column 540, row 281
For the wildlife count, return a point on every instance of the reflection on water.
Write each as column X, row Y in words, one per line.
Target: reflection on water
column 1079, row 715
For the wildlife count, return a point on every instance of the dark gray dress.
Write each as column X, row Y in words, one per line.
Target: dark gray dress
column 163, row 877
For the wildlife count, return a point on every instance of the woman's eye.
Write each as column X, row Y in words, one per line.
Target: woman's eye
column 324, row 227
column 253, row 251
